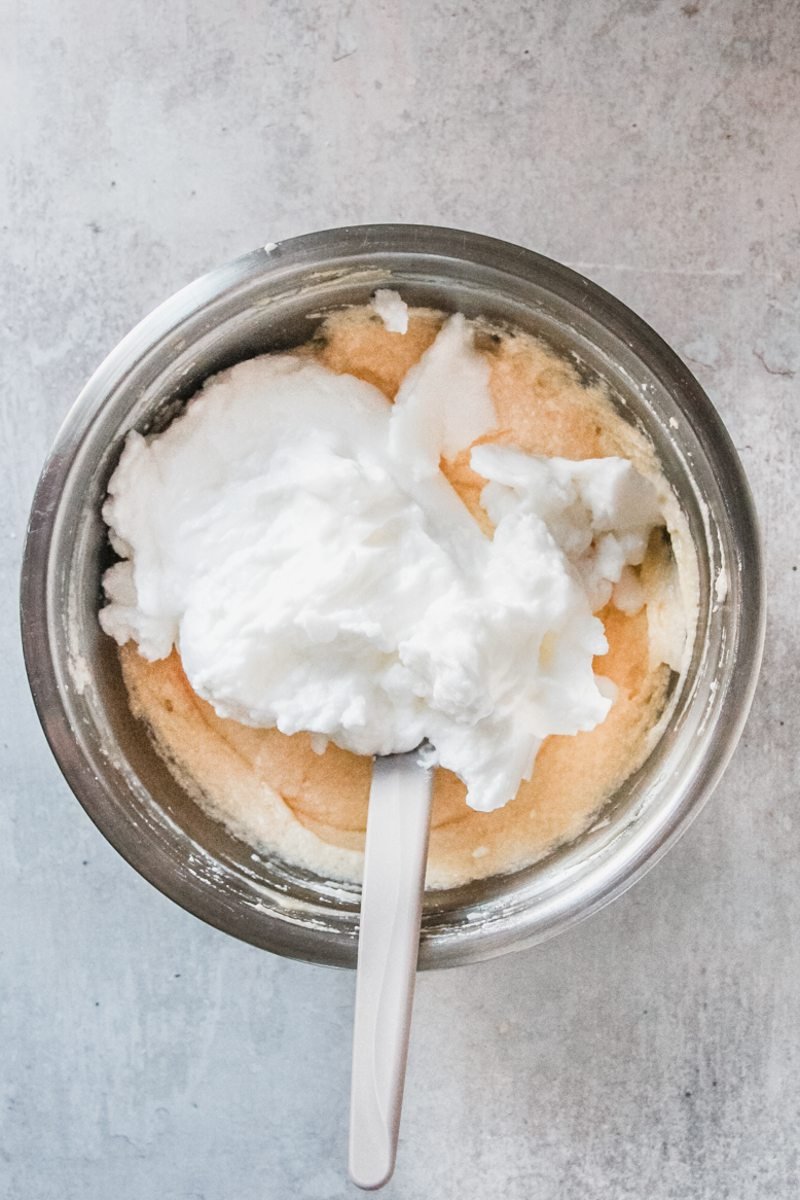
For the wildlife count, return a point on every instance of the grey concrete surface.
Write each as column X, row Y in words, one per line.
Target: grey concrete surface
column 651, row 1053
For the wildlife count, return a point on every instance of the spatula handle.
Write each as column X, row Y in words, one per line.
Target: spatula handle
column 398, row 823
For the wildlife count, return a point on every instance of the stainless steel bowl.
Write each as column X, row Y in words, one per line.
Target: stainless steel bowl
column 272, row 299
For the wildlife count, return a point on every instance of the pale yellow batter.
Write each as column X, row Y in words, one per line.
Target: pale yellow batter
column 283, row 798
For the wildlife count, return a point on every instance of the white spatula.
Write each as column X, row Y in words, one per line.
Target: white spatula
column 398, row 823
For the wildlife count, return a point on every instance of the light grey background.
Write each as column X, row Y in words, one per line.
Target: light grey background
column 652, row 1053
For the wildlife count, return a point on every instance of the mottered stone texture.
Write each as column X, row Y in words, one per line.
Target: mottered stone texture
column 651, row 1052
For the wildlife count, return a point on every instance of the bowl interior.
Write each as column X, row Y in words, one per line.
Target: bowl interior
column 273, row 299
